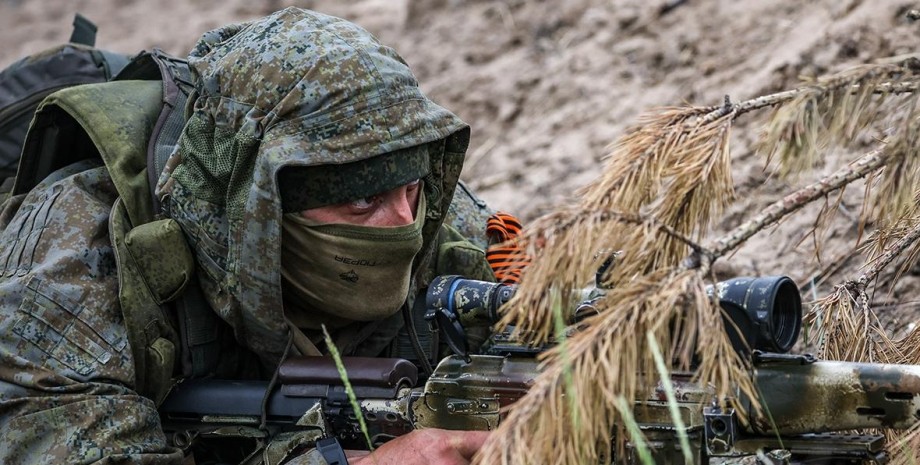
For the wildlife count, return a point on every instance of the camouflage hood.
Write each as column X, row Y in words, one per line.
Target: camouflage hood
column 296, row 88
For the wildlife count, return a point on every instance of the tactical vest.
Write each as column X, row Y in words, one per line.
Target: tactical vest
column 132, row 124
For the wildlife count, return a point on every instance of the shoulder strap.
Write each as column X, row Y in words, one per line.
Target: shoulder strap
column 198, row 324
column 176, row 81
column 177, row 86
column 111, row 120
column 132, row 123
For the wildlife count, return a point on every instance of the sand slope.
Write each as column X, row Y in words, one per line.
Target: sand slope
column 548, row 85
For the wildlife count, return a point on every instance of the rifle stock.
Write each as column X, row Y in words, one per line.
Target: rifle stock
column 810, row 407
column 810, row 404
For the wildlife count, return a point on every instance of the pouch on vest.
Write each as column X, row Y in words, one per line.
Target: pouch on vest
column 154, row 341
column 159, row 250
column 112, row 121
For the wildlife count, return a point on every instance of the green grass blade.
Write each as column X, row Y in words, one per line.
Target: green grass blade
column 562, row 342
column 352, row 399
column 635, row 433
column 672, row 399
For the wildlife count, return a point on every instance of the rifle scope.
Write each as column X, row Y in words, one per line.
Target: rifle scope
column 763, row 313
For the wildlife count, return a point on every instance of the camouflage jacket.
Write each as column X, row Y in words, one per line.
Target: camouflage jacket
column 295, row 88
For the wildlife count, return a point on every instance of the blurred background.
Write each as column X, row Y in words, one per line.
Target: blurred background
column 548, row 85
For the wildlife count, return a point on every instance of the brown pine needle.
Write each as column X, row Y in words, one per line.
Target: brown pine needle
column 897, row 193
column 780, row 98
column 906, row 450
column 849, row 328
column 834, row 109
column 663, row 184
column 844, row 327
column 607, row 362
column 907, row 243
column 562, row 240
column 671, row 168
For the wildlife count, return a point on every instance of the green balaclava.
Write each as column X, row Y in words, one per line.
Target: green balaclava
column 339, row 273
column 288, row 93
column 335, row 274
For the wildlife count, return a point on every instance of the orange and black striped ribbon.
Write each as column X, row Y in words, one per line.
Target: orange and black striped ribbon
column 505, row 256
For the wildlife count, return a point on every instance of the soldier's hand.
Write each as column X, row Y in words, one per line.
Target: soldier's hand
column 426, row 447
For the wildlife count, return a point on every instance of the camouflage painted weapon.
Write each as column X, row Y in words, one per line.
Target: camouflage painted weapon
column 459, row 395
column 811, row 404
column 808, row 401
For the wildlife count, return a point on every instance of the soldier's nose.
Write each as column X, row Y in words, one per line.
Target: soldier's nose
column 400, row 208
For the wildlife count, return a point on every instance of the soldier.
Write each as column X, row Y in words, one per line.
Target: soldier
column 314, row 185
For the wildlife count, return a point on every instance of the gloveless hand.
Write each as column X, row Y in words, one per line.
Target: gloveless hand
column 425, row 447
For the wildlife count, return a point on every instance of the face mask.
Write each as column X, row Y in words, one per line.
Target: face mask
column 337, row 273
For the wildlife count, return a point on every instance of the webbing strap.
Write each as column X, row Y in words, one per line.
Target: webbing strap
column 177, row 84
column 199, row 328
column 84, row 31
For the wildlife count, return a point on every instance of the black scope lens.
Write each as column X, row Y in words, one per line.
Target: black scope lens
column 764, row 313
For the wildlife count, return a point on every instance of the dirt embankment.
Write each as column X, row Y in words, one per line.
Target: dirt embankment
column 547, row 86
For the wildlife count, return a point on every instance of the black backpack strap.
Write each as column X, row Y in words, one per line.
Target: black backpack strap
column 177, row 85
column 84, row 31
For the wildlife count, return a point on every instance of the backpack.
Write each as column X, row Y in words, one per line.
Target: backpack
column 132, row 123
column 25, row 83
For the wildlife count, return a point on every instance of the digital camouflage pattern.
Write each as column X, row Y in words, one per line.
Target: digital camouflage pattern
column 65, row 364
column 294, row 89
column 307, row 187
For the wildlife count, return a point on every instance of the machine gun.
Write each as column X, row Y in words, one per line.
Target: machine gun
column 812, row 404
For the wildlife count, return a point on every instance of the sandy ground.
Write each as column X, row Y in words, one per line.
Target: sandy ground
column 547, row 86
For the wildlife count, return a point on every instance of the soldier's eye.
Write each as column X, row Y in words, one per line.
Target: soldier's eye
column 365, row 203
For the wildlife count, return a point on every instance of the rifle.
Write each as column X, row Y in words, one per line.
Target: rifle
column 812, row 404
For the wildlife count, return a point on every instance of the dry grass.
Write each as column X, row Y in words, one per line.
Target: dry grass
column 663, row 184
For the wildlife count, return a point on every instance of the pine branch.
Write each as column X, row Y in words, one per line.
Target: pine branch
column 779, row 98
column 891, row 252
column 608, row 360
column 662, row 183
column 565, row 221
column 569, row 246
column 795, row 201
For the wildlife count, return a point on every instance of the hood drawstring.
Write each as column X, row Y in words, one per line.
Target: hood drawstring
column 302, row 343
column 413, row 337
